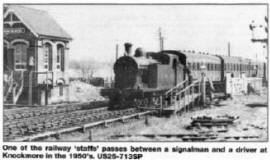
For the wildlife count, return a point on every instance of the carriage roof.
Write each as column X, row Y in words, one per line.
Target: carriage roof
column 199, row 57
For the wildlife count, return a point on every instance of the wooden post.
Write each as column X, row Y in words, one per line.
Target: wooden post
column 199, row 94
column 30, row 88
column 179, row 101
column 146, row 122
column 105, row 124
column 203, row 90
column 171, row 98
column 175, row 103
column 185, row 100
column 46, row 92
column 188, row 99
column 13, row 94
column 57, row 136
column 90, row 135
column 192, row 92
column 83, row 129
column 161, row 105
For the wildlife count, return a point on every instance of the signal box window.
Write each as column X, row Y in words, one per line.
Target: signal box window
column 47, row 59
column 59, row 57
column 20, row 56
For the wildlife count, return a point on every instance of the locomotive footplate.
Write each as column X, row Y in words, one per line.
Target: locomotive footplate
column 128, row 98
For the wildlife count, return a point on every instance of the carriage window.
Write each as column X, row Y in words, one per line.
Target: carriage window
column 194, row 66
column 20, row 53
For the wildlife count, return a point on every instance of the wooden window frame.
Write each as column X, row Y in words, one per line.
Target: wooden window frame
column 22, row 64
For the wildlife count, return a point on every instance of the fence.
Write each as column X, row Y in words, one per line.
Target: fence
column 243, row 85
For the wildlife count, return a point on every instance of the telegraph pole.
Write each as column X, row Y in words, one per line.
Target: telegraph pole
column 116, row 52
column 161, row 40
column 229, row 49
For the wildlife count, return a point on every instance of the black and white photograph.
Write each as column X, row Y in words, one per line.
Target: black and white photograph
column 135, row 72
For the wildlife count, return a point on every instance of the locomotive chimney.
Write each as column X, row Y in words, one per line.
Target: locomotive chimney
column 128, row 47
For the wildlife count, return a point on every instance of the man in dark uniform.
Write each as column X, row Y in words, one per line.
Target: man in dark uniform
column 188, row 73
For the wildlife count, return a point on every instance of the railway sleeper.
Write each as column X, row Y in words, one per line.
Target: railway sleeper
column 11, row 117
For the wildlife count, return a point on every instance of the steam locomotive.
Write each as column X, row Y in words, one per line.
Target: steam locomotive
column 140, row 79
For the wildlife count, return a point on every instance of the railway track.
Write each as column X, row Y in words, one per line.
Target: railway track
column 32, row 111
column 61, row 120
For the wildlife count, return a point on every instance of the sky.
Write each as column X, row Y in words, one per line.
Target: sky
column 96, row 29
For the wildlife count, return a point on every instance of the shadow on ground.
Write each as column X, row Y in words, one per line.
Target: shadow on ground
column 255, row 105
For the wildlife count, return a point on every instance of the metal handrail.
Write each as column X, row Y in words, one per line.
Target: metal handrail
column 17, row 95
column 176, row 87
column 188, row 87
column 10, row 83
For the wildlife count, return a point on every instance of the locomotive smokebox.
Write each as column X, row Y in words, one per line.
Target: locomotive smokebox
column 128, row 47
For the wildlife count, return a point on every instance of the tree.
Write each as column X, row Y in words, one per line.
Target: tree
column 86, row 67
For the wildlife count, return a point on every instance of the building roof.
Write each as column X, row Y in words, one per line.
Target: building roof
column 39, row 22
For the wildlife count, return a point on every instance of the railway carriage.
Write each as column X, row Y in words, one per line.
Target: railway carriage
column 198, row 62
column 231, row 65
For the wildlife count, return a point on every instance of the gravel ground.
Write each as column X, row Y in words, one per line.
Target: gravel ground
column 251, row 110
column 83, row 92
